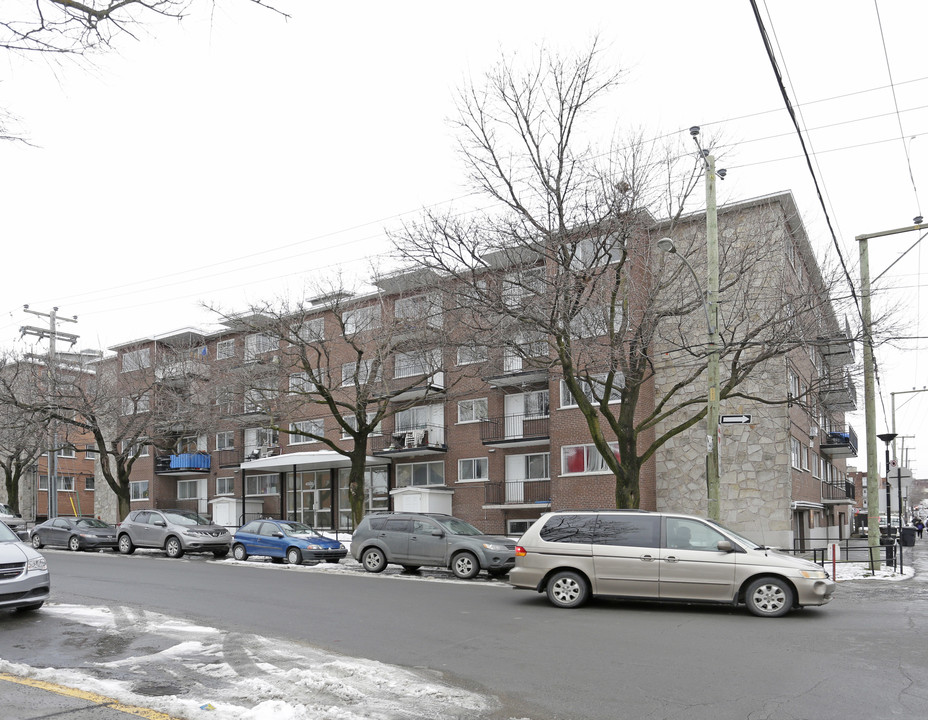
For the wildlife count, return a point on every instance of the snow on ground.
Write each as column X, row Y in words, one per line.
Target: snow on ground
column 236, row 676
column 861, row 571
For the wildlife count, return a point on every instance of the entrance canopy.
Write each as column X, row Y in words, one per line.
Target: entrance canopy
column 318, row 460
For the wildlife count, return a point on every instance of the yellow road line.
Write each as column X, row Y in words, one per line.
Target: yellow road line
column 89, row 696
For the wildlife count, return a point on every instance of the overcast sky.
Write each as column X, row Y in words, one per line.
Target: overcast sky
column 226, row 158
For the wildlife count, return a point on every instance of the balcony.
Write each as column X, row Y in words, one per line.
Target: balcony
column 406, row 389
column 515, row 430
column 177, row 373
column 518, row 494
column 229, row 457
column 424, row 439
column 839, row 394
column 838, row 493
column 838, row 350
column 183, row 464
column 839, row 443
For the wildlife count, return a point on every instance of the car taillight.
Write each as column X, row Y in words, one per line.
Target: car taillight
column 520, row 551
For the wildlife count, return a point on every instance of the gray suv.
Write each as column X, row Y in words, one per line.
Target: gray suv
column 174, row 531
column 414, row 540
column 572, row 556
column 24, row 583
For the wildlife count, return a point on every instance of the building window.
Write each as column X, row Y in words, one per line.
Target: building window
column 258, row 344
column 310, row 331
column 472, row 410
column 426, row 473
column 225, row 440
column 585, row 459
column 90, row 483
column 416, row 309
column 66, row 483
column 136, row 360
column 528, row 467
column 225, row 485
column 133, row 406
column 187, row 489
column 352, row 422
column 299, row 430
column 473, row 469
column 225, row 349
column 520, row 287
column 90, row 452
column 470, row 354
column 139, row 448
column 261, row 485
column 363, row 371
column 361, row 319
column 412, row 364
column 815, row 461
column 138, row 490
column 258, row 439
column 43, row 482
column 795, row 453
column 536, row 404
column 66, row 452
column 594, row 390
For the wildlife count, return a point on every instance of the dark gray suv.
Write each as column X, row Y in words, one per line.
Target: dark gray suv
column 414, row 540
column 174, row 531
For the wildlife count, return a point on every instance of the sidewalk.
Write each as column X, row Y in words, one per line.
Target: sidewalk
column 28, row 699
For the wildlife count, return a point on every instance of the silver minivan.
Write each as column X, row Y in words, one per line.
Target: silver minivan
column 572, row 556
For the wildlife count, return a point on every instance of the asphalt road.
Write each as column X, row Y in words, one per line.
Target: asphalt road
column 861, row 656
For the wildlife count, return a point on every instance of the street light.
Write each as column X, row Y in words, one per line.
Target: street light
column 712, row 402
column 888, row 438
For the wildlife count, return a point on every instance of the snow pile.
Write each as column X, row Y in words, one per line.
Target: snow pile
column 247, row 677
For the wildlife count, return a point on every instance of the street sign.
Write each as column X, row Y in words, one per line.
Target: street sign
column 734, row 419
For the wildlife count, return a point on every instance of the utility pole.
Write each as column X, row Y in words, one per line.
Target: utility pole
column 873, row 477
column 712, row 301
column 52, row 334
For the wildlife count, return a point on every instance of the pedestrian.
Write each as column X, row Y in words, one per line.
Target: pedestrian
column 919, row 527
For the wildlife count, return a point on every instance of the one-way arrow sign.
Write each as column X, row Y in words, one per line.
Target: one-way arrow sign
column 734, row 419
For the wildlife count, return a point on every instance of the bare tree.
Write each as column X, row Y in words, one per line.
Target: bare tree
column 564, row 271
column 23, row 436
column 68, row 27
column 357, row 360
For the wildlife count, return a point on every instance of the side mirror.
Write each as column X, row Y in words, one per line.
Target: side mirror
column 725, row 546
column 278, row 534
column 437, row 533
column 161, row 523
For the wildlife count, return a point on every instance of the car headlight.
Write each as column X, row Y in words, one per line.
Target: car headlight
column 36, row 564
column 310, row 546
column 495, row 547
column 814, row 574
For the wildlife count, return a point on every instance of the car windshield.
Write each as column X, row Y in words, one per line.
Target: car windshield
column 458, row 527
column 6, row 509
column 7, row 535
column 91, row 522
column 737, row 537
column 298, row 529
column 186, row 518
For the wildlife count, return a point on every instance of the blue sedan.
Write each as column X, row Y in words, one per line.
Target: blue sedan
column 281, row 539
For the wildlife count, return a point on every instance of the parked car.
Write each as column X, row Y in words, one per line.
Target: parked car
column 24, row 580
column 13, row 520
column 75, row 533
column 414, row 540
column 572, row 556
column 175, row 531
column 294, row 541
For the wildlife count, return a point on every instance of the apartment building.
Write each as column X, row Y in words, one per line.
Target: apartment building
column 248, row 420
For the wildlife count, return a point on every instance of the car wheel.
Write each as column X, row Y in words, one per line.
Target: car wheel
column 125, row 545
column 220, row 553
column 239, row 552
column 769, row 597
column 567, row 589
column 36, row 541
column 74, row 543
column 173, row 548
column 410, row 568
column 465, row 565
column 30, row 608
column 294, row 556
column 373, row 560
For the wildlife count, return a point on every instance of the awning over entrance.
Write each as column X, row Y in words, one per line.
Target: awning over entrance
column 306, row 461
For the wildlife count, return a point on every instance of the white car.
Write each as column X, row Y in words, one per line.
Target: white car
column 24, row 581
column 13, row 519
